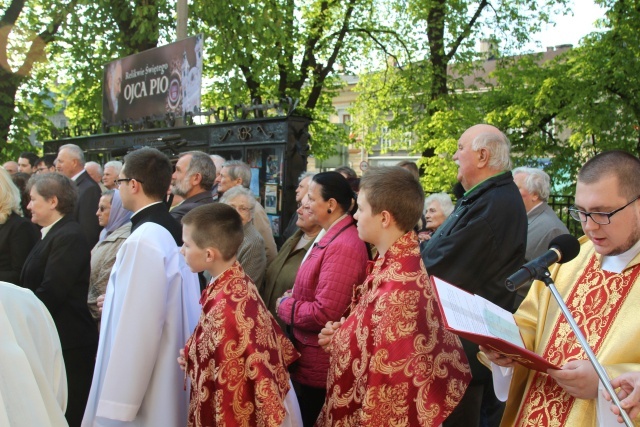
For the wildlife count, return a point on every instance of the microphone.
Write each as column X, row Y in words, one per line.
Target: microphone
column 562, row 249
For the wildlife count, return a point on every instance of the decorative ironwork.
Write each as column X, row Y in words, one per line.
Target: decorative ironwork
column 225, row 135
column 244, row 133
column 269, row 109
column 264, row 132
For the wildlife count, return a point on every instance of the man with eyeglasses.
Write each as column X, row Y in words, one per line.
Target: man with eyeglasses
column 601, row 287
column 150, row 309
column 46, row 164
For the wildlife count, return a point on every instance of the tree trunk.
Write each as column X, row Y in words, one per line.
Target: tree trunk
column 9, row 83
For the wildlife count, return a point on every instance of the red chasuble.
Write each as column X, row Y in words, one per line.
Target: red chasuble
column 392, row 362
column 237, row 357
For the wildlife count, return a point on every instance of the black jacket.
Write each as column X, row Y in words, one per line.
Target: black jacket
column 481, row 243
column 192, row 202
column 18, row 235
column 57, row 271
column 158, row 214
column 86, row 206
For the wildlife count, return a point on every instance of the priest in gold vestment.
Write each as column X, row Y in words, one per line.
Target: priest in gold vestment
column 392, row 362
column 601, row 288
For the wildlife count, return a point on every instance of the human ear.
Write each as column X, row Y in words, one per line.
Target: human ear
column 386, row 219
column 483, row 157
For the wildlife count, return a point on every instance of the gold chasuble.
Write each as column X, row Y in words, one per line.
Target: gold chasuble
column 237, row 357
column 392, row 362
column 605, row 306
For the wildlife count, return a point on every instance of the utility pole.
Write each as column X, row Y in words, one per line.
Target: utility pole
column 182, row 11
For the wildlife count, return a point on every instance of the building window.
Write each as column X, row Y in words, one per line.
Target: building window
column 385, row 139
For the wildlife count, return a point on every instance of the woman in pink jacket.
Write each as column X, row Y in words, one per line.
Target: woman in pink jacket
column 323, row 287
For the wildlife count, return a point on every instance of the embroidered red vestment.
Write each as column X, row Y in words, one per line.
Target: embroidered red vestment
column 392, row 362
column 237, row 357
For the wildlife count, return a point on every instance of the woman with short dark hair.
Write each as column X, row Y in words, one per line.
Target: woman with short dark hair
column 324, row 285
column 57, row 271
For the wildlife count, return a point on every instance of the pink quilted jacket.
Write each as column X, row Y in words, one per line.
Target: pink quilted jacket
column 322, row 292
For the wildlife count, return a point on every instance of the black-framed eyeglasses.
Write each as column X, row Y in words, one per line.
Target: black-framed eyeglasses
column 121, row 180
column 602, row 218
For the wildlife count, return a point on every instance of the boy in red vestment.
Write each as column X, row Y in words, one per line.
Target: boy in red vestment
column 392, row 362
column 237, row 357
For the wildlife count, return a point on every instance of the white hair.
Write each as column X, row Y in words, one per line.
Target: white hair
column 537, row 181
column 75, row 152
column 115, row 164
column 304, row 175
column 498, row 146
column 94, row 165
column 239, row 191
column 443, row 199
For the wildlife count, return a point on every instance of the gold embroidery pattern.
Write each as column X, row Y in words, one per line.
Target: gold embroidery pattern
column 386, row 405
column 392, row 362
column 248, row 385
column 395, row 315
column 594, row 303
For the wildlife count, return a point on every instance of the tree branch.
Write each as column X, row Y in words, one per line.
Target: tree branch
column 36, row 51
column 320, row 74
column 370, row 32
column 466, row 30
column 308, row 58
column 6, row 25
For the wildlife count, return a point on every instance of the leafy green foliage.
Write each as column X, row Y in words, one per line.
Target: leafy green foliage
column 582, row 103
column 261, row 51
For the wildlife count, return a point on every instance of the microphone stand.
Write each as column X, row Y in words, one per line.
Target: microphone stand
column 543, row 275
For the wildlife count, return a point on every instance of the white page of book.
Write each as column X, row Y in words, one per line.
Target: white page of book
column 500, row 322
column 472, row 313
column 461, row 309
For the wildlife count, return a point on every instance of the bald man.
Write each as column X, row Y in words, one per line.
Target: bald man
column 11, row 167
column 479, row 245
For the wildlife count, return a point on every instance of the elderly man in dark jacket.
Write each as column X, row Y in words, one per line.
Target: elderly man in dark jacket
column 481, row 243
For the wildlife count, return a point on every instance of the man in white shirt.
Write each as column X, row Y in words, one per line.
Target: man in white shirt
column 150, row 309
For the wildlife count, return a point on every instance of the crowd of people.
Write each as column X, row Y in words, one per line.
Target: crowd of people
column 151, row 294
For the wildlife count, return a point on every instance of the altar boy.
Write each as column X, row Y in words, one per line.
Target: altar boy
column 392, row 362
column 237, row 357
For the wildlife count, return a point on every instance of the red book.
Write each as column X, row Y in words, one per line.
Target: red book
column 482, row 322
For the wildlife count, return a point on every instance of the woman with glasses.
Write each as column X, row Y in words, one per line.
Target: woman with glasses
column 251, row 254
column 323, row 286
column 281, row 273
column 57, row 271
column 116, row 223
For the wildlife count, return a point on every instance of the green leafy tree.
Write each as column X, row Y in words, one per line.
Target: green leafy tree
column 119, row 28
column 427, row 93
column 25, row 34
column 581, row 103
column 58, row 50
column 260, row 51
